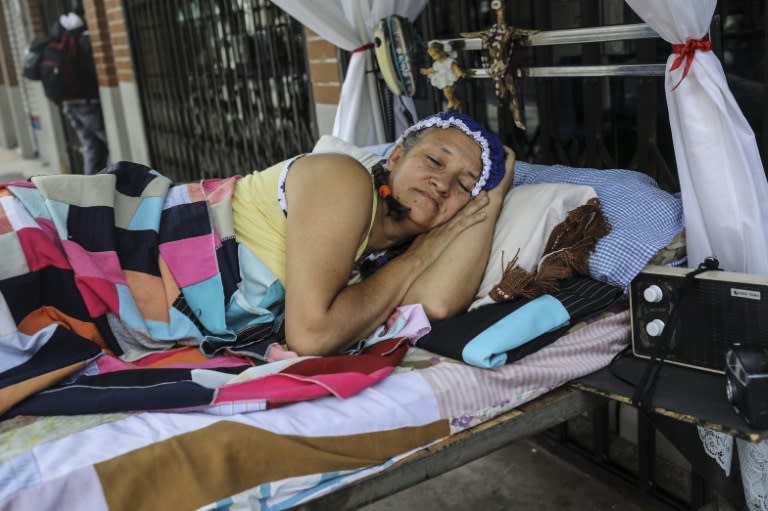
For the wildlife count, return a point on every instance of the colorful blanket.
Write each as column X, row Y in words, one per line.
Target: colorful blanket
column 123, row 265
column 285, row 456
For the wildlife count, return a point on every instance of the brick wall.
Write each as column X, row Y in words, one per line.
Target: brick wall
column 323, row 69
column 36, row 19
column 109, row 38
column 8, row 74
column 96, row 15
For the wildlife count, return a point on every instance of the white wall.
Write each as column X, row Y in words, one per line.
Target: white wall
column 134, row 122
column 21, row 123
column 124, row 123
column 114, row 124
column 7, row 130
column 48, row 128
column 325, row 117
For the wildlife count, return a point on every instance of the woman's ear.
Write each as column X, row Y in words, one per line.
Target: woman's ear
column 394, row 156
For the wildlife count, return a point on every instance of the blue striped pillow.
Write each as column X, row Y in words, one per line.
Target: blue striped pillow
column 643, row 217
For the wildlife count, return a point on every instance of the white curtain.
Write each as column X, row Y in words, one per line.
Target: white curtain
column 723, row 185
column 348, row 24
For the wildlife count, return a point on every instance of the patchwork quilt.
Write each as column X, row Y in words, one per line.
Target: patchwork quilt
column 122, row 291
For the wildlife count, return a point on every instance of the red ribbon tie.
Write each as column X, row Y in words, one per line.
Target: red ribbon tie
column 362, row 48
column 686, row 52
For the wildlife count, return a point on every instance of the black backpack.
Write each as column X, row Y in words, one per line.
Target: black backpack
column 33, row 58
column 60, row 70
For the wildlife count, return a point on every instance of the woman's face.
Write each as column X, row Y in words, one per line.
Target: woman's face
column 435, row 177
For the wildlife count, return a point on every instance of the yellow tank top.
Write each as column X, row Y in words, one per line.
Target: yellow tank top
column 260, row 209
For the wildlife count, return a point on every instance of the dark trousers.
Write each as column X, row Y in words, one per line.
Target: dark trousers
column 87, row 121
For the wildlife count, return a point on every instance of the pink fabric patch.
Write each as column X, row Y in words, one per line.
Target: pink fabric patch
column 195, row 192
column 219, row 190
column 110, row 364
column 100, row 265
column 276, row 352
column 41, row 249
column 20, row 184
column 100, row 296
column 191, row 260
column 288, row 388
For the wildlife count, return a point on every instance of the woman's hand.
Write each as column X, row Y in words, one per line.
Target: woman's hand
column 465, row 255
column 509, row 175
column 430, row 245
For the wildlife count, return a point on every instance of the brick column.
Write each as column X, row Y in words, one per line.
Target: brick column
column 15, row 128
column 7, row 131
column 36, row 19
column 99, row 27
column 326, row 80
column 119, row 96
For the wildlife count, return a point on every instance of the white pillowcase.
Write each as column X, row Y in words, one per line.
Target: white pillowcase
column 527, row 218
column 331, row 144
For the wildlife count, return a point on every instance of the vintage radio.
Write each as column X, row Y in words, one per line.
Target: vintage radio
column 719, row 309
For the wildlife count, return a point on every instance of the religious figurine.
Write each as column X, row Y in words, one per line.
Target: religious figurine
column 444, row 73
column 498, row 41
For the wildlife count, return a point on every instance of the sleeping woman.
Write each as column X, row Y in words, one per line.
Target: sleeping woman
column 315, row 219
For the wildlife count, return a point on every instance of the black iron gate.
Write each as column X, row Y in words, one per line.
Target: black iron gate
column 606, row 121
column 224, row 85
column 585, row 122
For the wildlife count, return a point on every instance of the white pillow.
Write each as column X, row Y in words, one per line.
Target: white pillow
column 331, row 144
column 528, row 215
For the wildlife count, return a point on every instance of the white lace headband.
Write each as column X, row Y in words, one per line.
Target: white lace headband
column 444, row 120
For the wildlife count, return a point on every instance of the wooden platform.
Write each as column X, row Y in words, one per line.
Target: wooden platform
column 456, row 450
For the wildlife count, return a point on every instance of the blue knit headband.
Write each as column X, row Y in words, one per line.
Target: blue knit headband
column 492, row 150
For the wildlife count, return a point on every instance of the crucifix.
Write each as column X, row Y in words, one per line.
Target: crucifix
column 498, row 41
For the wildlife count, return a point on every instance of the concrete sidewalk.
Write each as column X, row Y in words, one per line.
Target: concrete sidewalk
column 13, row 167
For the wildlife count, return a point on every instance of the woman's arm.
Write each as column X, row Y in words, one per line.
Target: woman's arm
column 329, row 199
column 449, row 285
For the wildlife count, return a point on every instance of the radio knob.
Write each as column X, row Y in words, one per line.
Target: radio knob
column 653, row 294
column 655, row 327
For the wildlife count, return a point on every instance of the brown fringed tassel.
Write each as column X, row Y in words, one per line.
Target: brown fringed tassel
column 566, row 254
column 515, row 282
column 571, row 243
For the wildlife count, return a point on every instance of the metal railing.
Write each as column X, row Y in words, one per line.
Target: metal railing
column 224, row 85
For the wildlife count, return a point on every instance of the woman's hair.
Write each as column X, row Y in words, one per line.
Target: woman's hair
column 395, row 209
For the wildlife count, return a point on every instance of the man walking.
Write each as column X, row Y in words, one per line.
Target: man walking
column 71, row 82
